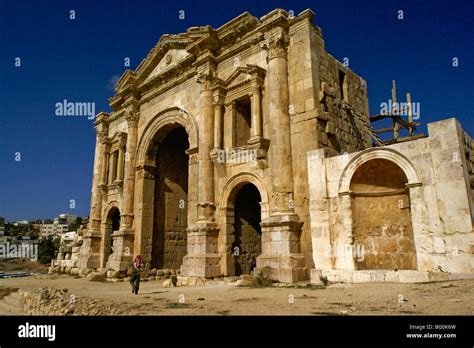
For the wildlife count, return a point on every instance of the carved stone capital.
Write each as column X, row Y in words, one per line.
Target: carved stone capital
column 94, row 224
column 126, row 219
column 282, row 201
column 206, row 211
column 132, row 118
column 103, row 136
column 218, row 102
column 276, row 45
column 206, row 80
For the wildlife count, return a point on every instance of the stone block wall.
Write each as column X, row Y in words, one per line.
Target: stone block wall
column 439, row 196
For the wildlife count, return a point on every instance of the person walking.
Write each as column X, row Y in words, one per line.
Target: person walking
column 135, row 277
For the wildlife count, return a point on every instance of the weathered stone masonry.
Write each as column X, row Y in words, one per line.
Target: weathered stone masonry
column 268, row 87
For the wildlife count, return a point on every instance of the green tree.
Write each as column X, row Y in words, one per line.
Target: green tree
column 47, row 249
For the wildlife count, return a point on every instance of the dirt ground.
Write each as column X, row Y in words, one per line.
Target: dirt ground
column 443, row 298
column 22, row 265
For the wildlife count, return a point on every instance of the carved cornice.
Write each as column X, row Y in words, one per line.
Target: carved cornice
column 102, row 119
column 238, row 27
column 209, row 43
column 146, row 171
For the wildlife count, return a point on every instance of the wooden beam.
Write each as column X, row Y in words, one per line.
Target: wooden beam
column 403, row 139
column 410, row 113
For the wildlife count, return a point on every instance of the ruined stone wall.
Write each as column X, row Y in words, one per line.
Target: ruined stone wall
column 468, row 147
column 343, row 107
column 48, row 301
column 381, row 217
column 318, row 118
column 439, row 197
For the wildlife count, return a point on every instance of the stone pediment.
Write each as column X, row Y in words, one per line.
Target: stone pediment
column 245, row 75
column 163, row 57
column 169, row 60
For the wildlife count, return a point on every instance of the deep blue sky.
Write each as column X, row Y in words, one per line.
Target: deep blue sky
column 78, row 59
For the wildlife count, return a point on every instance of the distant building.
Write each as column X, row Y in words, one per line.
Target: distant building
column 21, row 222
column 67, row 218
column 53, row 229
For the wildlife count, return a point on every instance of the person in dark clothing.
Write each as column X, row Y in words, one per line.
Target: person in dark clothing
column 135, row 277
column 253, row 263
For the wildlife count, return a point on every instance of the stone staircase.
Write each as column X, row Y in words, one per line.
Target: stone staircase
column 10, row 304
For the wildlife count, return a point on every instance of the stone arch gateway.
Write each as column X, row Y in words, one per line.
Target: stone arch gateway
column 258, row 101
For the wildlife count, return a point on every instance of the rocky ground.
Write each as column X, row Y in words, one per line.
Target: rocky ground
column 68, row 295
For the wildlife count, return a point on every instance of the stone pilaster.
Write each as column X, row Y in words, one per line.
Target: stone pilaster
column 229, row 120
column 202, row 259
column 143, row 219
column 123, row 239
column 281, row 258
column 90, row 249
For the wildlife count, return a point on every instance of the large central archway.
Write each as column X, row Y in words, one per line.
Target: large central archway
column 171, row 201
column 145, row 211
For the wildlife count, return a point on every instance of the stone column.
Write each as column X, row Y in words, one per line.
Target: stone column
column 120, row 163
column 278, row 93
column 206, row 167
column 218, row 114
column 89, row 255
column 281, row 232
column 256, row 101
column 202, row 258
column 110, row 177
column 123, row 239
column 99, row 164
column 129, row 175
column 105, row 161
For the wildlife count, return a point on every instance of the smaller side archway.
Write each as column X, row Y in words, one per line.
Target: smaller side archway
column 111, row 224
column 243, row 206
column 382, row 225
column 380, row 198
column 376, row 153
